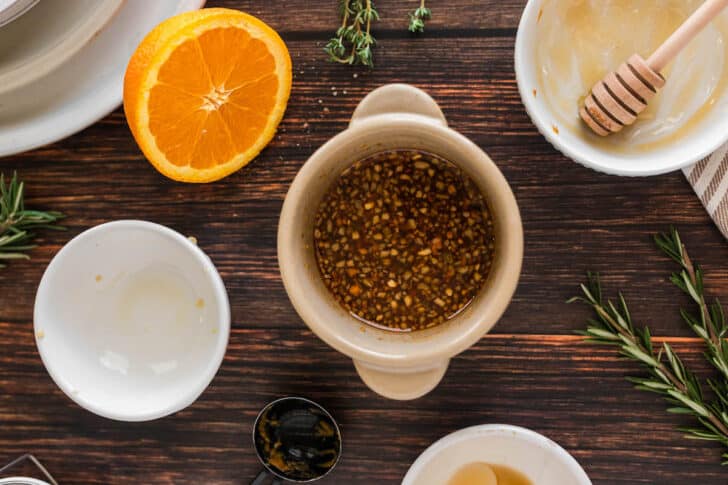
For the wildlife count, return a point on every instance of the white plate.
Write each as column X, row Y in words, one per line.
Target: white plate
column 48, row 36
column 12, row 9
column 131, row 320
column 87, row 87
column 540, row 459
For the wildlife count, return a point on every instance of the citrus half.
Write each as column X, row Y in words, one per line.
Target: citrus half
column 205, row 91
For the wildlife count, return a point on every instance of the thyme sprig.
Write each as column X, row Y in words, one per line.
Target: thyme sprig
column 353, row 41
column 418, row 17
column 17, row 222
column 667, row 375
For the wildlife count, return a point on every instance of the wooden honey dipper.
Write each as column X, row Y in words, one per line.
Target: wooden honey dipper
column 617, row 100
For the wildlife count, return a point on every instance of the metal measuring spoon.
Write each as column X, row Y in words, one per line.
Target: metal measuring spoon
column 26, row 480
column 296, row 440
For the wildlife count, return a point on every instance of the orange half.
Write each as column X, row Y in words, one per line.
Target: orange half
column 205, row 91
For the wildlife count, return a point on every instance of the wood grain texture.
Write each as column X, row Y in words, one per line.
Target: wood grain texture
column 531, row 371
column 571, row 392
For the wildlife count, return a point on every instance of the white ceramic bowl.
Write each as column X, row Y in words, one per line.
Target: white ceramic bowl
column 22, row 481
column 540, row 459
column 87, row 86
column 132, row 320
column 12, row 9
column 47, row 36
column 709, row 136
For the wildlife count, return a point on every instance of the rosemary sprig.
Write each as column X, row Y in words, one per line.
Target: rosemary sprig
column 418, row 17
column 16, row 221
column 353, row 41
column 667, row 375
column 710, row 324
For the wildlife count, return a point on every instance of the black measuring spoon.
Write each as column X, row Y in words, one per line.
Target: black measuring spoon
column 296, row 440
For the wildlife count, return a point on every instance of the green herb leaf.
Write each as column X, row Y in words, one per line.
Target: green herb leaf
column 670, row 378
column 353, row 40
column 418, row 17
column 17, row 223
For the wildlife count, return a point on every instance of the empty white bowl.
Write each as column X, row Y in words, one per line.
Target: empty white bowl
column 12, row 9
column 540, row 459
column 132, row 320
column 708, row 136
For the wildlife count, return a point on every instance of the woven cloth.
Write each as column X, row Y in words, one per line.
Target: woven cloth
column 709, row 178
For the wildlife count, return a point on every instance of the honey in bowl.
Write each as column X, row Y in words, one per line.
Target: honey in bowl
column 580, row 41
column 485, row 474
column 404, row 240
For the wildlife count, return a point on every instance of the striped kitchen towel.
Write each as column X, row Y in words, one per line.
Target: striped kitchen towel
column 709, row 178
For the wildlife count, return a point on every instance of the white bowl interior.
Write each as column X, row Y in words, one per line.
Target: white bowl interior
column 131, row 320
column 7, row 4
column 540, row 459
column 706, row 137
column 12, row 9
column 47, row 35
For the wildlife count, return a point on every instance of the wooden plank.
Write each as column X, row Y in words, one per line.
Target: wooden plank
column 575, row 219
column 321, row 16
column 531, row 371
column 572, row 392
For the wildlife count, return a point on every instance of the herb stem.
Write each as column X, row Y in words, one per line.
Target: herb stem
column 711, row 325
column 705, row 313
column 369, row 17
column 345, row 14
column 604, row 314
column 353, row 42
column 418, row 17
column 668, row 375
column 16, row 222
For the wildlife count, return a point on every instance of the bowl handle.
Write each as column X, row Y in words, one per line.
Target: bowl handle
column 398, row 98
column 402, row 385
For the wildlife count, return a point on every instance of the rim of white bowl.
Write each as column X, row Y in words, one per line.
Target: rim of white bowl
column 13, row 9
column 544, row 127
column 106, row 97
column 41, row 64
column 22, row 481
column 515, row 432
column 222, row 301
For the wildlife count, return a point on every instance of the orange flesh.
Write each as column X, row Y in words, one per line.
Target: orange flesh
column 211, row 101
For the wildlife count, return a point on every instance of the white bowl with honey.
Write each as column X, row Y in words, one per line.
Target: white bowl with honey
column 400, row 242
column 495, row 454
column 564, row 47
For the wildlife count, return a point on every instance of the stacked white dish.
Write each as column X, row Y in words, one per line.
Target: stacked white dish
column 12, row 9
column 62, row 63
column 26, row 58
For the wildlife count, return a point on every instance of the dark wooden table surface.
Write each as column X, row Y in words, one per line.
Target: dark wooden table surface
column 530, row 371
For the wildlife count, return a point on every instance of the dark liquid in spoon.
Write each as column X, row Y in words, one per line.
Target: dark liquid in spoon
column 297, row 440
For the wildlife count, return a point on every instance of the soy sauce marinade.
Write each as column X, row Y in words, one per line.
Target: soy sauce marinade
column 404, row 240
column 297, row 442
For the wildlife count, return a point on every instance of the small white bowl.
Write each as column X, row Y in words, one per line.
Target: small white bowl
column 702, row 141
column 132, row 320
column 540, row 459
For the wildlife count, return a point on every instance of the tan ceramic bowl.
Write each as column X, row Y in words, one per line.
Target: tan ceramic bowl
column 396, row 365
